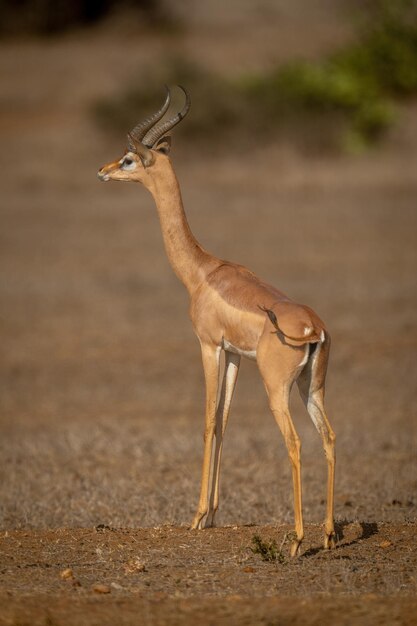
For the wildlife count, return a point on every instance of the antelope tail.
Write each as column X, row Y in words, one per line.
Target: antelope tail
column 309, row 331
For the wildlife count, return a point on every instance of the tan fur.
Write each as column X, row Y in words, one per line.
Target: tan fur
column 226, row 302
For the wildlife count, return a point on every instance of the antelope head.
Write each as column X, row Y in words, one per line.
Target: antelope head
column 147, row 143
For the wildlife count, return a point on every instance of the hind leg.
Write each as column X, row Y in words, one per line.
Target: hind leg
column 278, row 400
column 279, row 372
column 311, row 387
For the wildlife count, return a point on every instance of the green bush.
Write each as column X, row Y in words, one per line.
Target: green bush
column 360, row 82
column 268, row 551
column 352, row 92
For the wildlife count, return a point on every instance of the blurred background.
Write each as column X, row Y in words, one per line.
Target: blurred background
column 298, row 159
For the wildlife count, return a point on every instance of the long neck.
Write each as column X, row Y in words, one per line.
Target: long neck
column 189, row 260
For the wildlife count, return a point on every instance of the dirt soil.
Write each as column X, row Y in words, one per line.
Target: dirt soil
column 169, row 575
column 101, row 384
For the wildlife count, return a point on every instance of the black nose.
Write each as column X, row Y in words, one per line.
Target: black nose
column 102, row 176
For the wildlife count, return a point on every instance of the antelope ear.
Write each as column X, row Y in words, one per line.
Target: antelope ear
column 144, row 153
column 147, row 159
column 163, row 145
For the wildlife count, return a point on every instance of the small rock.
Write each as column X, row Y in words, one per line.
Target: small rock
column 385, row 544
column 116, row 586
column 67, row 574
column 133, row 566
column 249, row 570
column 100, row 588
column 101, row 528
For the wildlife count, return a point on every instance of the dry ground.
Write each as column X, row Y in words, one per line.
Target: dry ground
column 169, row 575
column 102, row 391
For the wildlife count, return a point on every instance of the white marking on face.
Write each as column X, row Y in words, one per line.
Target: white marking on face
column 307, row 330
column 322, row 336
column 127, row 162
column 249, row 354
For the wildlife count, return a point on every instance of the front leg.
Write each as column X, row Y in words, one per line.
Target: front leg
column 231, row 370
column 211, row 362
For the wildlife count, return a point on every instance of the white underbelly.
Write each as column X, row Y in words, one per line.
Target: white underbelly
column 249, row 354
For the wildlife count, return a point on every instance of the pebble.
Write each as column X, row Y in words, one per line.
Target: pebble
column 100, row 588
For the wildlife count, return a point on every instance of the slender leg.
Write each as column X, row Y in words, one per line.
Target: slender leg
column 279, row 407
column 231, row 371
column 279, row 367
column 314, row 401
column 211, row 361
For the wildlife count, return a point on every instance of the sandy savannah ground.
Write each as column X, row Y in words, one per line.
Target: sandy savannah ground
column 102, row 389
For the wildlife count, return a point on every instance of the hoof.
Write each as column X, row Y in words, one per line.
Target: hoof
column 295, row 548
column 210, row 522
column 197, row 523
column 329, row 541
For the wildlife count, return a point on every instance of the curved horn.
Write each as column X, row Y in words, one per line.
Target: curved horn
column 156, row 133
column 140, row 130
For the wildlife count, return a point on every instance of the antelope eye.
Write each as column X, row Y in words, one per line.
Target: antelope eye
column 127, row 161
